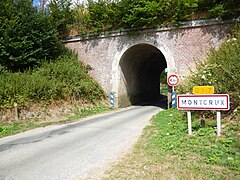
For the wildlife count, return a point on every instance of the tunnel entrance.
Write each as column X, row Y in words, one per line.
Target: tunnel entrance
column 141, row 66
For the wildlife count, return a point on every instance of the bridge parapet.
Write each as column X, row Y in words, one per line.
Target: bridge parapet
column 125, row 32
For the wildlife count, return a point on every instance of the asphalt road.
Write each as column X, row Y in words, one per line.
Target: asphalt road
column 72, row 151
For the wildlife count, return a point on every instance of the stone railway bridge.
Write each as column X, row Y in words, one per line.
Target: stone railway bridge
column 130, row 66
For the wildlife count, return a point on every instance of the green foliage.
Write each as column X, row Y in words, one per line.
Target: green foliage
column 61, row 15
column 220, row 70
column 163, row 77
column 220, row 8
column 63, row 79
column 170, row 138
column 101, row 15
column 109, row 15
column 80, row 16
column 96, row 16
column 166, row 151
column 27, row 37
column 106, row 15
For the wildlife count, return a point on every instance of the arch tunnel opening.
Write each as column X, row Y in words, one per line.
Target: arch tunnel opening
column 141, row 66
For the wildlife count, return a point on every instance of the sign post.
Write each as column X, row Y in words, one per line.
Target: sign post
column 218, row 123
column 112, row 99
column 189, row 122
column 204, row 102
column 173, row 80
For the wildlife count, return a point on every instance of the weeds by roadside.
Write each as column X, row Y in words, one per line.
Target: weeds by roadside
column 165, row 151
column 7, row 129
column 221, row 70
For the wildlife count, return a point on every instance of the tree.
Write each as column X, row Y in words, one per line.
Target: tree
column 221, row 8
column 27, row 36
column 61, row 15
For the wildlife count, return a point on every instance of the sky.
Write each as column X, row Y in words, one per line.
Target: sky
column 37, row 2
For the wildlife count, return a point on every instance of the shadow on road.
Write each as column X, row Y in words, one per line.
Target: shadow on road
column 160, row 102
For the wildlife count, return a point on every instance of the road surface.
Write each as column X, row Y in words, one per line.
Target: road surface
column 72, row 151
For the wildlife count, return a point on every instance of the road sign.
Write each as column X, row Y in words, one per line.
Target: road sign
column 203, row 102
column 203, row 90
column 173, row 80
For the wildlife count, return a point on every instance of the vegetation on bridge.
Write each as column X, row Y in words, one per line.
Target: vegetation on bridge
column 105, row 15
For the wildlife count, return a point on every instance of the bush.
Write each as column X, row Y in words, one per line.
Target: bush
column 221, row 70
column 64, row 79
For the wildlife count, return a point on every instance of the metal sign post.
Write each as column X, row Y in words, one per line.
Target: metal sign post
column 112, row 99
column 218, row 123
column 189, row 122
column 173, row 80
column 173, row 98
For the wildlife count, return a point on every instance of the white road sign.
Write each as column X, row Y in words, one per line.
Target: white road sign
column 203, row 102
column 173, row 80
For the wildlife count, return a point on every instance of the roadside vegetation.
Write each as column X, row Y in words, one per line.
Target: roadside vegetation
column 107, row 15
column 37, row 71
column 64, row 79
column 163, row 83
column 221, row 70
column 39, row 78
column 76, row 112
column 166, row 151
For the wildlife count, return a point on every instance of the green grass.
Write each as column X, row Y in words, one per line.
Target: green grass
column 166, row 151
column 21, row 126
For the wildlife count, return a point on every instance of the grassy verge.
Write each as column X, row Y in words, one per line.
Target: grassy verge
column 165, row 151
column 14, row 128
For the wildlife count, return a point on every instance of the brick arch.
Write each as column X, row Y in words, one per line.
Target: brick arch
column 116, row 69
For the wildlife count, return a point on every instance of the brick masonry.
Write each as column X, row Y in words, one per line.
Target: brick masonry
column 180, row 47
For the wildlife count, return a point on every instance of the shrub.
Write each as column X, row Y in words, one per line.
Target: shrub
column 64, row 79
column 221, row 70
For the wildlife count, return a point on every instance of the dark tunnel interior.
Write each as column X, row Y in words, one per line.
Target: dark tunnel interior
column 141, row 67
